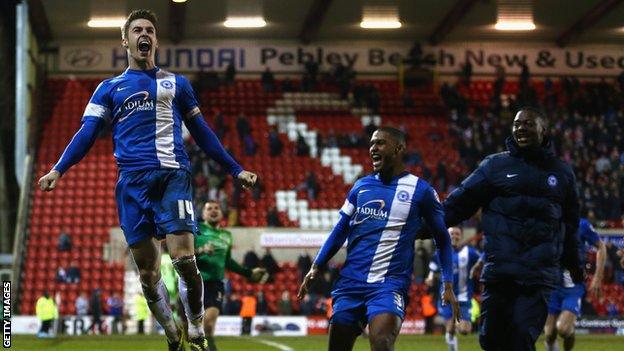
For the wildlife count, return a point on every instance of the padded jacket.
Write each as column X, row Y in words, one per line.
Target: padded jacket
column 530, row 215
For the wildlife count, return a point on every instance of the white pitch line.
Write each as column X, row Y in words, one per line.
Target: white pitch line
column 272, row 343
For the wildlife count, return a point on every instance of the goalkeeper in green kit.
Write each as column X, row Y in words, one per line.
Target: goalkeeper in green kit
column 213, row 249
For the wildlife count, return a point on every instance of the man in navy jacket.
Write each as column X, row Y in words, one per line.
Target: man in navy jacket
column 530, row 215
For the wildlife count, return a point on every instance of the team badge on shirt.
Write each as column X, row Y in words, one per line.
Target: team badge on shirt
column 552, row 181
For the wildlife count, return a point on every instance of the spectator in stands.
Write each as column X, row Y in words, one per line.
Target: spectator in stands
column 302, row 147
column 230, row 74
column 250, row 259
column 61, row 275
column 82, row 304
column 311, row 68
column 275, row 143
column 284, row 307
column 220, row 128
column 415, row 55
column 207, row 81
column 287, row 85
column 408, row 102
column 232, row 305
column 115, row 309
column 262, row 308
column 272, row 217
column 524, row 76
column 141, row 311
column 466, row 73
column 242, row 126
column 73, row 273
column 268, row 80
column 269, row 263
column 304, row 262
column 310, row 185
column 248, row 311
column 64, row 241
column 308, row 83
column 249, row 144
column 306, row 306
column 46, row 312
column 95, row 306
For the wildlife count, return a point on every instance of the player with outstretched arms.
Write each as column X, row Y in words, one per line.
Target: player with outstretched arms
column 379, row 219
column 145, row 107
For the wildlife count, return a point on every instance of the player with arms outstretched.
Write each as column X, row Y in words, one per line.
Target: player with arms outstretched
column 380, row 218
column 564, row 305
column 213, row 249
column 145, row 107
column 465, row 258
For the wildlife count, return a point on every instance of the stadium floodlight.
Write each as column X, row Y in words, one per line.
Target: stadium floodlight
column 514, row 15
column 376, row 24
column 109, row 22
column 380, row 17
column 244, row 22
column 179, row 1
column 515, row 25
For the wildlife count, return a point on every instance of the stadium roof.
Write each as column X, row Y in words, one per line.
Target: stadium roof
column 598, row 21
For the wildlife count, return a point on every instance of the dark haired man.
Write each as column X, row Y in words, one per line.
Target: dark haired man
column 380, row 218
column 530, row 216
column 145, row 106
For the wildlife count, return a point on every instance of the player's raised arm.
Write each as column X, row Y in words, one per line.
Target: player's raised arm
column 206, row 139
column 95, row 117
column 433, row 214
column 473, row 193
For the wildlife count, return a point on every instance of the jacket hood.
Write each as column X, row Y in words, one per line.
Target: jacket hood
column 544, row 151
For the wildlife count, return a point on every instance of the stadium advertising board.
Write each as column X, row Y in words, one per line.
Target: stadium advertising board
column 364, row 56
column 279, row 326
column 317, row 325
column 229, row 326
column 413, row 326
column 292, row 240
column 600, row 325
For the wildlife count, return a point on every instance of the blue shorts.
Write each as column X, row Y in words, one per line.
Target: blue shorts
column 154, row 203
column 356, row 303
column 566, row 299
column 446, row 311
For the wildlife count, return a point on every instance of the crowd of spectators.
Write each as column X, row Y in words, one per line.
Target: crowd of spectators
column 586, row 126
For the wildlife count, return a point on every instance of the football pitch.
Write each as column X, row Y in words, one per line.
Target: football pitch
column 307, row 343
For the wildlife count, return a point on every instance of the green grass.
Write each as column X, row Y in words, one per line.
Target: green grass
column 308, row 343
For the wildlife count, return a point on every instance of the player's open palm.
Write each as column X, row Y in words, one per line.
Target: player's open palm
column 48, row 181
column 247, row 179
column 449, row 297
column 303, row 289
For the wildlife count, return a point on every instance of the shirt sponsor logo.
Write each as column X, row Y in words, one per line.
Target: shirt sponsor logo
column 137, row 102
column 372, row 209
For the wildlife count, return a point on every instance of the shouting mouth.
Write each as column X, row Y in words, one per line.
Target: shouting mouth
column 144, row 45
column 376, row 160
